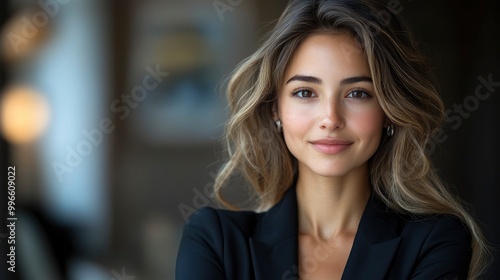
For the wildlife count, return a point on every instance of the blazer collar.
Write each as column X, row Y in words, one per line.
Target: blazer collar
column 375, row 243
column 274, row 245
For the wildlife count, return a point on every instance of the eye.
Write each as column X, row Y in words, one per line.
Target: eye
column 359, row 94
column 304, row 93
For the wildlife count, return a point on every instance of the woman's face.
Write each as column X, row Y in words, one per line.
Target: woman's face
column 332, row 122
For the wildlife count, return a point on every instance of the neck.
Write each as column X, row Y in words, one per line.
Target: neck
column 330, row 207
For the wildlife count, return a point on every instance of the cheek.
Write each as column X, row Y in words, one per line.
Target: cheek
column 295, row 124
column 297, row 121
column 368, row 123
column 291, row 114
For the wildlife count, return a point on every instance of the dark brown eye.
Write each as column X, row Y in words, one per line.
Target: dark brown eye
column 360, row 94
column 304, row 93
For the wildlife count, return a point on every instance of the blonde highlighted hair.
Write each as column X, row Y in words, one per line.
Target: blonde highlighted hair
column 401, row 171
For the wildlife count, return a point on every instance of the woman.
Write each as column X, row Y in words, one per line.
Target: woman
column 346, row 189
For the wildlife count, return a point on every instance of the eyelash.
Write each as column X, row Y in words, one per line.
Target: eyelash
column 367, row 93
column 296, row 91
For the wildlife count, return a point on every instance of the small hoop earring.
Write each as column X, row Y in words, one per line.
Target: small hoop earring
column 390, row 130
column 279, row 125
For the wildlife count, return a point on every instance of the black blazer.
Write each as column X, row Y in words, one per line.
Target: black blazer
column 222, row 244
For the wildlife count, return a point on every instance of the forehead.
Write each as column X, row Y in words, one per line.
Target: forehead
column 327, row 56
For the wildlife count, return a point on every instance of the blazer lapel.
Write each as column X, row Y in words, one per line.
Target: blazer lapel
column 375, row 243
column 274, row 261
column 274, row 244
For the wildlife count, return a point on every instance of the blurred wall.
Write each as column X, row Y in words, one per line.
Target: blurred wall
column 462, row 39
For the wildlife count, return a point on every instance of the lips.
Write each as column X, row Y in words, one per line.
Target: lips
column 331, row 146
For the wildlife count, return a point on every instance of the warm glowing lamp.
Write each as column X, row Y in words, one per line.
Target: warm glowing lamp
column 24, row 115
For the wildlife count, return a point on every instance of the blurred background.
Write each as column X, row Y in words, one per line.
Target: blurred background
column 112, row 113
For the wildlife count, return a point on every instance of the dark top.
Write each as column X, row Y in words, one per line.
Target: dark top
column 222, row 244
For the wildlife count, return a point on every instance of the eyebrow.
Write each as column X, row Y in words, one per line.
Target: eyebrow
column 302, row 78
column 316, row 80
column 356, row 79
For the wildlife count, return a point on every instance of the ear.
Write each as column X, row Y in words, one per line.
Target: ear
column 276, row 115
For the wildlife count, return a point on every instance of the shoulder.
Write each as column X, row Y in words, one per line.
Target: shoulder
column 437, row 227
column 438, row 244
column 222, row 217
column 217, row 223
column 447, row 230
column 212, row 241
column 418, row 226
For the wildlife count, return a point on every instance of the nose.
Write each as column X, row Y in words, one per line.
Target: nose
column 332, row 116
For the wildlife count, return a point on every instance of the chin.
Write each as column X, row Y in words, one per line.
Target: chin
column 331, row 174
column 330, row 171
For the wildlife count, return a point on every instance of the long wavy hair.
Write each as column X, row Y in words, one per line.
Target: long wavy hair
column 401, row 171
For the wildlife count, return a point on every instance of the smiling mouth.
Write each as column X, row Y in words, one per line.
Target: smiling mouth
column 331, row 147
